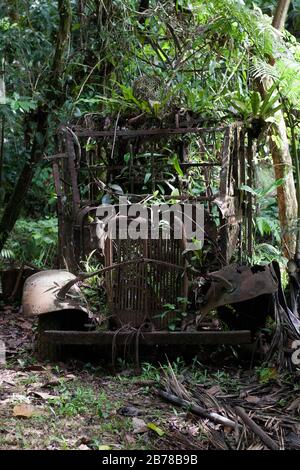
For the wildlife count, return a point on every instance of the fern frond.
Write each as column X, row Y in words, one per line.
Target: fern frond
column 262, row 70
column 6, row 254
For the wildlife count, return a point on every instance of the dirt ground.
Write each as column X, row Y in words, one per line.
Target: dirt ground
column 83, row 405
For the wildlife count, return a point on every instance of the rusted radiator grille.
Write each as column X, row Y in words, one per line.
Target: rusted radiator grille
column 138, row 292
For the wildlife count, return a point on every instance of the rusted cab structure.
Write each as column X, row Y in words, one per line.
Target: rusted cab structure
column 99, row 163
column 137, row 162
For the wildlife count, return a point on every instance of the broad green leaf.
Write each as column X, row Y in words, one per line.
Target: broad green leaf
column 177, row 166
column 147, row 178
column 156, row 429
column 255, row 103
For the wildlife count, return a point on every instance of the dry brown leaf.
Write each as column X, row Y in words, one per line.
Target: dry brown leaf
column 43, row 395
column 9, row 382
column 139, row 426
column 23, row 410
column 25, row 325
column 70, row 377
column 193, row 430
column 214, row 390
column 52, row 382
column 252, row 399
column 295, row 405
column 35, row 367
column 255, row 447
column 129, row 439
column 228, row 430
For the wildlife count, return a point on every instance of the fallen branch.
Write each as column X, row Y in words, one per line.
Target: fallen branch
column 197, row 410
column 266, row 439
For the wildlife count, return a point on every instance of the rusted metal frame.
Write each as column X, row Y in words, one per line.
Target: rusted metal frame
column 167, row 198
column 55, row 157
column 250, row 155
column 208, row 190
column 235, row 160
column 243, row 194
column 139, row 280
column 237, row 179
column 70, row 189
column 200, row 164
column 79, row 231
column 60, row 209
column 73, row 171
column 224, row 175
column 143, row 267
column 81, row 277
column 130, row 133
column 182, row 164
column 241, row 181
column 105, row 338
column 73, row 242
column 224, row 185
column 18, row 281
column 130, row 167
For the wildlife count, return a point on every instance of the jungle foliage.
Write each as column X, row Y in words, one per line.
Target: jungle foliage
column 84, row 60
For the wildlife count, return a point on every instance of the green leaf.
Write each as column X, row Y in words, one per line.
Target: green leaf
column 169, row 306
column 255, row 103
column 127, row 158
column 272, row 186
column 176, row 165
column 156, row 429
column 245, row 187
column 266, row 374
column 240, row 107
column 147, row 177
column 263, row 192
column 155, row 106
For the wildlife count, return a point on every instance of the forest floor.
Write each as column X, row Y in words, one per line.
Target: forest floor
column 80, row 405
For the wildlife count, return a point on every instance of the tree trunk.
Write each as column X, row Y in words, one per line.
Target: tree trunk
column 65, row 19
column 39, row 139
column 14, row 205
column 280, row 14
column 12, row 10
column 283, row 166
column 286, row 193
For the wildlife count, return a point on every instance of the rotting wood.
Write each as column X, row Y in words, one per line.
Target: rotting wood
column 266, row 439
column 198, row 410
column 148, row 338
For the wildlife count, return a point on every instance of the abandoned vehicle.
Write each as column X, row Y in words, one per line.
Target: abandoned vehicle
column 167, row 290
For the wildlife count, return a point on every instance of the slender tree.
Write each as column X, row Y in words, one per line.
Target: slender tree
column 280, row 14
column 39, row 120
column 283, row 166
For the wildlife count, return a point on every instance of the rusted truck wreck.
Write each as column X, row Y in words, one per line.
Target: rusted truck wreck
column 157, row 291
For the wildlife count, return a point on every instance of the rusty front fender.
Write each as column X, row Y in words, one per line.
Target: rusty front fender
column 40, row 293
